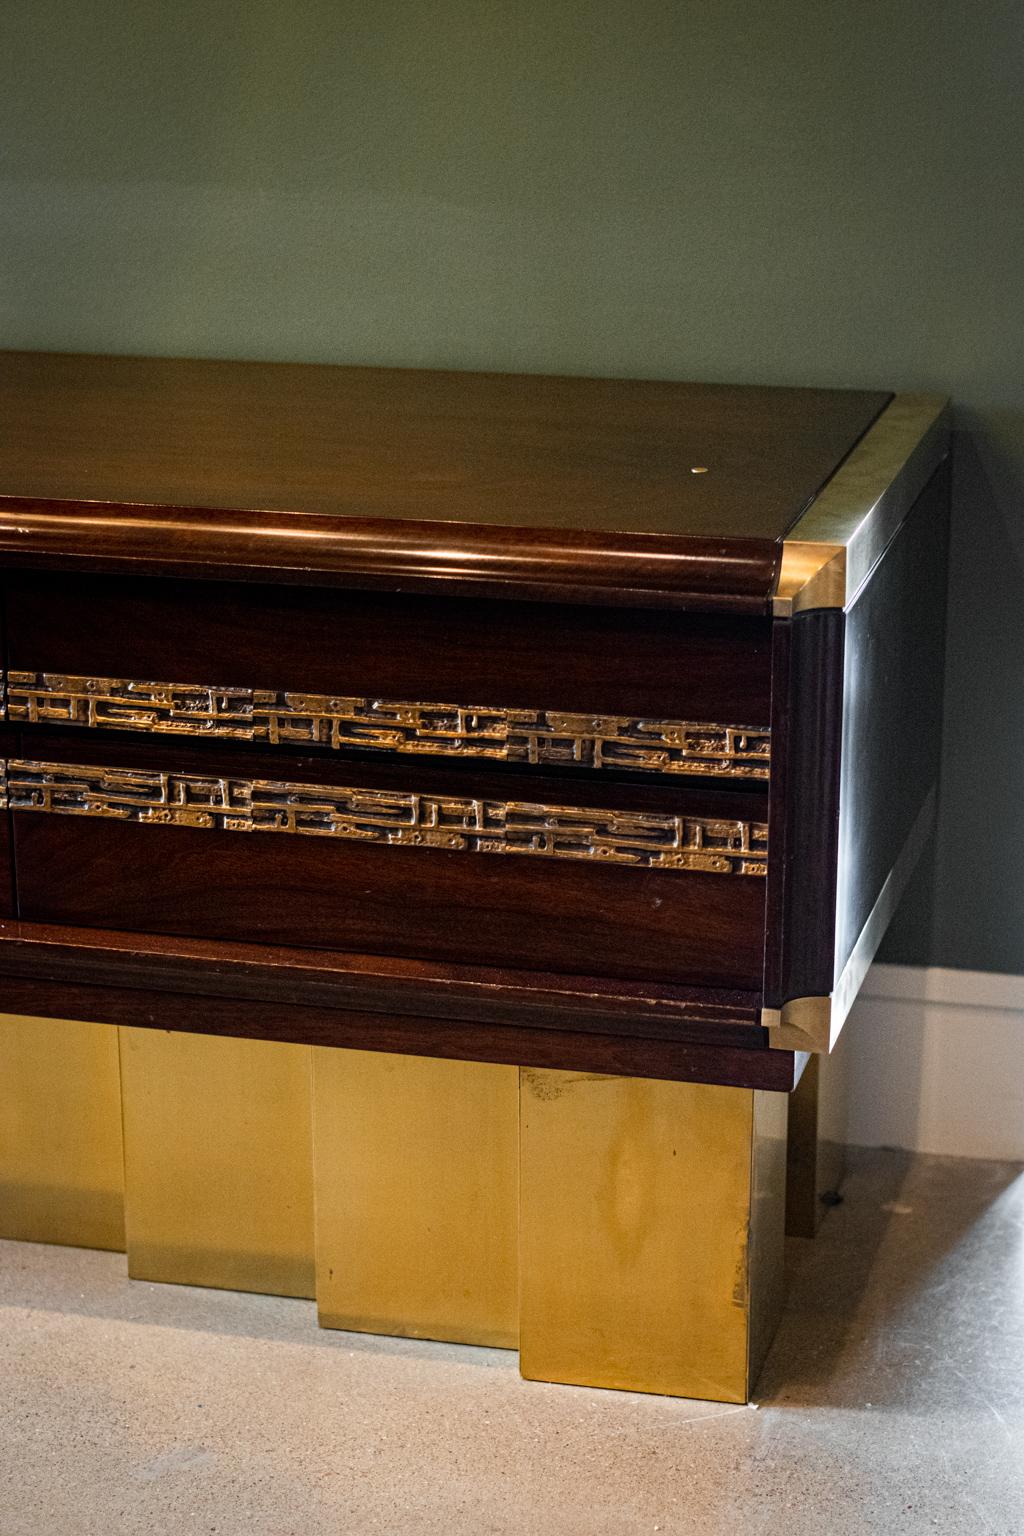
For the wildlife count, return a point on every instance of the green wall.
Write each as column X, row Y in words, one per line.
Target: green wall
column 815, row 193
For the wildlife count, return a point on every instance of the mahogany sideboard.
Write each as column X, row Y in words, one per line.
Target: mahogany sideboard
column 538, row 759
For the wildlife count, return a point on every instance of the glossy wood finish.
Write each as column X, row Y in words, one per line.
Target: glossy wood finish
column 8, row 899
column 805, row 929
column 693, row 928
column 619, row 1054
column 575, row 488
column 377, row 983
column 253, row 507
column 684, row 666
column 536, row 913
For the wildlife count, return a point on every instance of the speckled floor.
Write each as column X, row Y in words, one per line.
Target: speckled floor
column 893, row 1401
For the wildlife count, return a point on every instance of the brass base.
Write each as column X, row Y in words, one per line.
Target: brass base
column 218, row 1166
column 816, row 1156
column 621, row 1232
column 651, row 1232
column 416, row 1196
column 61, row 1168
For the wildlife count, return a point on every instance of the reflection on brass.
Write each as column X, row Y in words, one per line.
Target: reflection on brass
column 639, row 839
column 61, row 1168
column 832, row 549
column 218, row 1161
column 552, row 737
column 417, row 1181
column 651, row 1232
column 816, row 1151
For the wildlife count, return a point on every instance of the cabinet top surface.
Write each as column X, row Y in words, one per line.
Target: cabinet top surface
column 577, row 489
column 527, row 451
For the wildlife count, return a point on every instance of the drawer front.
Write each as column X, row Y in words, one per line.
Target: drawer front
column 570, row 873
column 363, row 673
column 497, row 783
column 8, row 908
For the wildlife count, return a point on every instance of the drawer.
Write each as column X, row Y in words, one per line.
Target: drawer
column 531, row 685
column 484, row 865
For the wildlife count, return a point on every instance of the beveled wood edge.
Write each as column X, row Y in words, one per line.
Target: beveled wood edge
column 378, row 984
column 814, row 1023
column 559, row 1049
column 831, row 550
column 400, row 555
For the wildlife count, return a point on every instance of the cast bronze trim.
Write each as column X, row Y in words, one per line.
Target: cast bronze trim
column 832, row 549
column 639, row 839
column 554, row 738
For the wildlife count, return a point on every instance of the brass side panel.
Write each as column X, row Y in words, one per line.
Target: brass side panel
column 416, row 1196
column 817, row 1150
column 552, row 737
column 636, row 1205
column 61, row 1165
column 766, row 1267
column 640, row 839
column 218, row 1161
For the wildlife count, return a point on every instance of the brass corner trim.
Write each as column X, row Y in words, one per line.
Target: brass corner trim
column 832, row 549
column 802, row 1024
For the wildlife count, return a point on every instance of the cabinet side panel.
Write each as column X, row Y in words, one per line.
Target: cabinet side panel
column 892, row 717
column 804, row 909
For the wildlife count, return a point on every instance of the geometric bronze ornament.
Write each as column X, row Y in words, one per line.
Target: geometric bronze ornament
column 640, row 839
column 558, row 738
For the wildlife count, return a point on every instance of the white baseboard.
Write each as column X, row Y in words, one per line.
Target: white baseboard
column 935, row 1062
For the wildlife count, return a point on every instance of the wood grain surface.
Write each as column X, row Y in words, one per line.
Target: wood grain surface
column 558, row 488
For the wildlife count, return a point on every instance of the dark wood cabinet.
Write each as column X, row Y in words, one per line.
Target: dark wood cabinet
column 553, row 721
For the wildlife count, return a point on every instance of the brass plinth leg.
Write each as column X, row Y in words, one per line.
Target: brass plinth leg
column 650, row 1233
column 416, row 1193
column 817, row 1136
column 61, row 1169
column 218, row 1161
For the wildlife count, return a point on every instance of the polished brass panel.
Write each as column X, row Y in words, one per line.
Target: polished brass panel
column 766, row 1251
column 816, row 1155
column 832, row 549
column 61, row 1166
column 642, row 839
column 218, row 1161
column 650, row 1232
column 558, row 738
column 416, row 1196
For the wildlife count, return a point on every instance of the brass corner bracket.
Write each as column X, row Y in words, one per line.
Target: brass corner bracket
column 803, row 1024
column 832, row 549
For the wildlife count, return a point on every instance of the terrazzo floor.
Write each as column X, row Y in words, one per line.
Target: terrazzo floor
column 892, row 1401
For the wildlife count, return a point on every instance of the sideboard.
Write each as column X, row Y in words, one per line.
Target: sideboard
column 470, row 797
